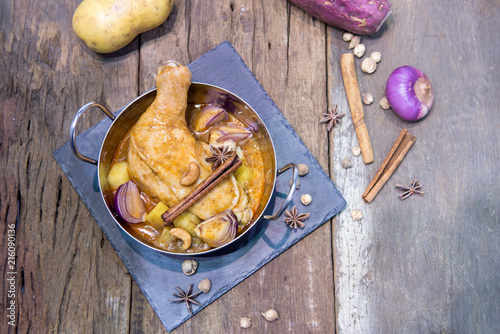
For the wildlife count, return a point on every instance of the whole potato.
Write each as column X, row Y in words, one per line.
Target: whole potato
column 108, row 25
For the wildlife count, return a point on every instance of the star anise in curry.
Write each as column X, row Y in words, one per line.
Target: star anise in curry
column 332, row 117
column 187, row 296
column 219, row 155
column 294, row 220
column 408, row 191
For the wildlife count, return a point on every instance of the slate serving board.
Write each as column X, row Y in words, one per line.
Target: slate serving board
column 223, row 67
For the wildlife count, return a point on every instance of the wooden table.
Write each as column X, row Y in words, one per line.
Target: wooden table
column 427, row 264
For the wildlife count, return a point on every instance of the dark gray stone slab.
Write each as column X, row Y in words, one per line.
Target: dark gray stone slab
column 157, row 274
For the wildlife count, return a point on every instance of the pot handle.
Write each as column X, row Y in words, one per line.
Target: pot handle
column 291, row 192
column 72, row 129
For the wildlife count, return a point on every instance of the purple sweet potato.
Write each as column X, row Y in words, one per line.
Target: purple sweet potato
column 362, row 17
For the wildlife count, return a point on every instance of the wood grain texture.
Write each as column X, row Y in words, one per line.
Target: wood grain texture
column 69, row 278
column 284, row 66
column 427, row 264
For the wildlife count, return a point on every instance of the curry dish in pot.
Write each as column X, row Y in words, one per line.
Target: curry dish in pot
column 168, row 152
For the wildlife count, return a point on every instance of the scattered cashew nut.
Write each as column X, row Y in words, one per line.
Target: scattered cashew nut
column 182, row 234
column 191, row 174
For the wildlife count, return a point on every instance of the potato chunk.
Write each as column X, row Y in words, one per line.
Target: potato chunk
column 244, row 174
column 154, row 217
column 118, row 175
column 188, row 221
column 166, row 240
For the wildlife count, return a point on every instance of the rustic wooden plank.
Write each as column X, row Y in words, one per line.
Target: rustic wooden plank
column 311, row 305
column 68, row 277
column 285, row 63
column 426, row 264
column 349, row 269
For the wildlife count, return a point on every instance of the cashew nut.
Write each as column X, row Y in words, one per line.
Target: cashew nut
column 191, row 175
column 182, row 234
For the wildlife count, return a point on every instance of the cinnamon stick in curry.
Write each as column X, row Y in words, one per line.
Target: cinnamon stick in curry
column 398, row 151
column 355, row 104
column 223, row 171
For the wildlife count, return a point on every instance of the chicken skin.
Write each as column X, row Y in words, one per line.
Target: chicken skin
column 162, row 147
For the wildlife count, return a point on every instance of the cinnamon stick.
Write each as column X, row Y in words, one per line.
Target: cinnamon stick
column 356, row 105
column 223, row 171
column 398, row 151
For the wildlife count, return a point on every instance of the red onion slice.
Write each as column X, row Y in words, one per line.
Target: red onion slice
column 218, row 230
column 128, row 203
column 210, row 116
column 238, row 134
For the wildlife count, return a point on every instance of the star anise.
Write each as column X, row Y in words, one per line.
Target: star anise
column 293, row 219
column 408, row 191
column 219, row 155
column 188, row 297
column 332, row 117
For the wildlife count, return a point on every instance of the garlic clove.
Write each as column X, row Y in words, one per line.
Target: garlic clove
column 205, row 285
column 376, row 56
column 271, row 315
column 245, row 322
column 368, row 65
column 347, row 36
column 359, row 50
column 384, row 103
column 306, row 199
column 303, row 169
column 189, row 267
column 356, row 214
column 356, row 151
column 346, row 163
column 367, row 98
column 291, row 182
column 354, row 41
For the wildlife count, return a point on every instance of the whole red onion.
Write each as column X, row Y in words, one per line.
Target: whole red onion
column 409, row 93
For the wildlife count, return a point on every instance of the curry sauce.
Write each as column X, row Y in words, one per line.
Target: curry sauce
column 251, row 176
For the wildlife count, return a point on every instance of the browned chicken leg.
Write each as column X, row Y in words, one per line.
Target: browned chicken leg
column 161, row 148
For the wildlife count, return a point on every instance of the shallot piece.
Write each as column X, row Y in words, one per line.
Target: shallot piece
column 409, row 93
column 128, row 203
column 208, row 117
column 219, row 229
column 238, row 134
